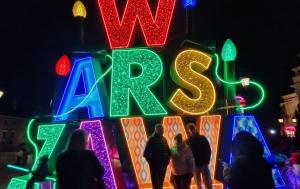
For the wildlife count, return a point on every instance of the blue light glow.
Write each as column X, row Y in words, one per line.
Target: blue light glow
column 70, row 100
column 248, row 123
column 189, row 3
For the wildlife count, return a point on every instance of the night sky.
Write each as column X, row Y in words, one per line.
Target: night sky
column 35, row 33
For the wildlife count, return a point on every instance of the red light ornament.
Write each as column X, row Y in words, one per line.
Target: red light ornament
column 63, row 66
column 119, row 31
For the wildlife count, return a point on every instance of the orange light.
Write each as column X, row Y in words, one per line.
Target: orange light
column 136, row 138
column 210, row 127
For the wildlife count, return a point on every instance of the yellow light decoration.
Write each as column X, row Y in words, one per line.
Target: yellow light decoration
column 185, row 71
column 79, row 10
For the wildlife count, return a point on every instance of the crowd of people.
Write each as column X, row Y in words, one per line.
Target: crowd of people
column 78, row 168
column 188, row 158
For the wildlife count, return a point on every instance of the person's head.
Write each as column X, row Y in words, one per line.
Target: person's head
column 78, row 140
column 191, row 129
column 178, row 139
column 245, row 144
column 159, row 130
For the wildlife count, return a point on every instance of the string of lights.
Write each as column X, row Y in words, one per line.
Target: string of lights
column 254, row 83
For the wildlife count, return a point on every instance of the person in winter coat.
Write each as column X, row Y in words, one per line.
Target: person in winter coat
column 201, row 152
column 157, row 154
column 77, row 167
column 182, row 164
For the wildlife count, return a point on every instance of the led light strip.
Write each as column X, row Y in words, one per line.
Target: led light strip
column 256, row 84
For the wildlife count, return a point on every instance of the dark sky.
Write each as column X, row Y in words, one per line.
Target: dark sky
column 35, row 33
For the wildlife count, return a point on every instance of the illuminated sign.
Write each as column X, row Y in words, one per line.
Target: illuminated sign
column 136, row 74
column 120, row 30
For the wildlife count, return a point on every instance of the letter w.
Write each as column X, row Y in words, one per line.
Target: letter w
column 155, row 29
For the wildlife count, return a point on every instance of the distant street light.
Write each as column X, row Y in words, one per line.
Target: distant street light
column 1, row 93
column 272, row 132
column 280, row 120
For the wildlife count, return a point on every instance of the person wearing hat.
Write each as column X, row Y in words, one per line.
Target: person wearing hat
column 157, row 154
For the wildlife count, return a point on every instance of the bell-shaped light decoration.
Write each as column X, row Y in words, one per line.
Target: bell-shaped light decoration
column 79, row 10
column 63, row 66
column 228, row 51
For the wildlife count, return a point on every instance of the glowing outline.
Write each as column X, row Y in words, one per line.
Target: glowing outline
column 62, row 101
column 84, row 125
column 130, row 151
column 257, row 85
column 265, row 145
column 46, row 141
column 201, row 126
column 172, row 104
column 129, row 91
column 115, row 10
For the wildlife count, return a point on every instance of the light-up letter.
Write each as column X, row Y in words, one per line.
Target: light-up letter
column 119, row 31
column 84, row 69
column 123, row 83
column 136, row 137
column 96, row 135
column 210, row 126
column 51, row 134
column 185, row 71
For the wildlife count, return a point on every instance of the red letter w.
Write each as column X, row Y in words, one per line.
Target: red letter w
column 155, row 29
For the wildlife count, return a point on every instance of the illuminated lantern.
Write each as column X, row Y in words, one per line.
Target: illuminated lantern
column 63, row 66
column 79, row 10
column 245, row 81
column 228, row 51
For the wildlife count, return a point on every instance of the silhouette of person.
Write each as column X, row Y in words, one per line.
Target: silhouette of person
column 202, row 152
column 40, row 174
column 157, row 154
column 183, row 164
column 249, row 168
column 77, row 167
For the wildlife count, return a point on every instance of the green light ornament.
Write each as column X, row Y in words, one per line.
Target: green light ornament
column 229, row 51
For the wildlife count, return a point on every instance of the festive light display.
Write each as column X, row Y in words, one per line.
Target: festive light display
column 123, row 83
column 20, row 183
column 249, row 124
column 79, row 10
column 172, row 126
column 95, row 131
column 186, row 73
column 30, row 139
column 228, row 51
column 210, row 127
column 82, row 68
column 136, row 138
column 63, row 66
column 120, row 31
column 257, row 85
column 245, row 81
column 189, row 3
column 241, row 100
column 51, row 134
column 18, row 168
